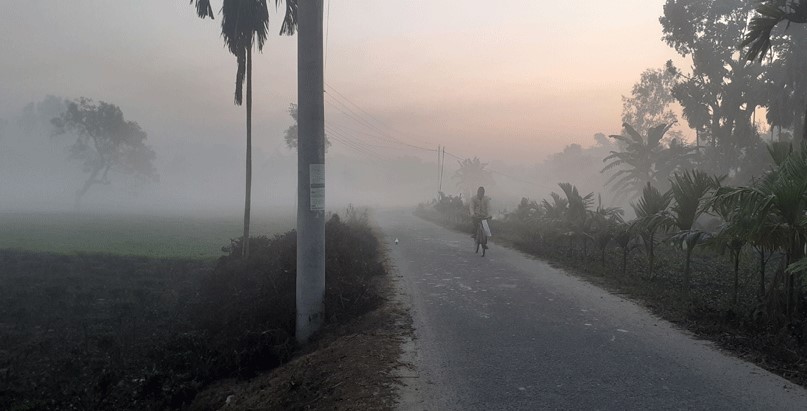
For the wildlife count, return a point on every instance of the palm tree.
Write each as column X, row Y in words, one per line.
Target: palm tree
column 243, row 24
column 768, row 15
column 688, row 190
column 472, row 174
column 644, row 159
column 649, row 219
column 624, row 238
column 605, row 223
column 732, row 235
column 778, row 201
column 576, row 218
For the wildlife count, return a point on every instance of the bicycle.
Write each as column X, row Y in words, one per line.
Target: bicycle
column 481, row 238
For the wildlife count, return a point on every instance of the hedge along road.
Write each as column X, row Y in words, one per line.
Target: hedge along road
column 510, row 332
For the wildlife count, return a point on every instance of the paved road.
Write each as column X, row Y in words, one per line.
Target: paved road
column 510, row 332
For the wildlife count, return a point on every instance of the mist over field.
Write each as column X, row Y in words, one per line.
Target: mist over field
column 154, row 253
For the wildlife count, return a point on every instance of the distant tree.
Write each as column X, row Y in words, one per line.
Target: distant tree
column 645, row 159
column 649, row 102
column 472, row 174
column 290, row 136
column 105, row 142
column 244, row 25
column 36, row 117
column 721, row 92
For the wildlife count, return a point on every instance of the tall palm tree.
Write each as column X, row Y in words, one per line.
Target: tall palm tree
column 472, row 174
column 245, row 24
column 644, row 159
column 769, row 14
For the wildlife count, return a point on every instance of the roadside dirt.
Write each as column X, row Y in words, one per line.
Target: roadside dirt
column 348, row 367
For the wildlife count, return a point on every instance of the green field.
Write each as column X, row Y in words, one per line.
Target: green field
column 143, row 235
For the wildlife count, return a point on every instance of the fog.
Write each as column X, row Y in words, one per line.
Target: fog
column 392, row 96
column 366, row 166
column 38, row 174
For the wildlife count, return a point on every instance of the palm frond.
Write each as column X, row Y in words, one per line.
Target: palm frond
column 203, row 8
column 289, row 26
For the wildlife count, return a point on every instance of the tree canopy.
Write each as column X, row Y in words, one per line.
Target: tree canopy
column 105, row 143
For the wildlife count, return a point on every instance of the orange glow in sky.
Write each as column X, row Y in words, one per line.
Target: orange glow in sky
column 514, row 80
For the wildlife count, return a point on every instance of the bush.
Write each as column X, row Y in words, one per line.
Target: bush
column 135, row 333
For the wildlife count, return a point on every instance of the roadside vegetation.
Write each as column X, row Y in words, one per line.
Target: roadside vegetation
column 100, row 331
column 726, row 262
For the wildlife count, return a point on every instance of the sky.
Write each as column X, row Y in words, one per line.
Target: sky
column 515, row 80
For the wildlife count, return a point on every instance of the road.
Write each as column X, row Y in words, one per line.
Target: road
column 508, row 332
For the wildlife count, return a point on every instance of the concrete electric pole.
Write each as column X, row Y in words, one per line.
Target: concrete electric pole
column 310, row 171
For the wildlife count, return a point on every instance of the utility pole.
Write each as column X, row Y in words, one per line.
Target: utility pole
column 439, row 181
column 310, row 171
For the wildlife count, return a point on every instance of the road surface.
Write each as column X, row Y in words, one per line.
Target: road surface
column 508, row 332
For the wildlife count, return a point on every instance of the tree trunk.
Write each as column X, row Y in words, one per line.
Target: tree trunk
column 686, row 269
column 624, row 261
column 761, row 273
column 87, row 184
column 248, row 194
column 603, row 257
column 803, row 133
column 736, row 276
column 651, row 257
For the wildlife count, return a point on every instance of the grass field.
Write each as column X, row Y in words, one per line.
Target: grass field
column 142, row 235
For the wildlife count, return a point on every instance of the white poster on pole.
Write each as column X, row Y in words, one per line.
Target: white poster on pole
column 316, row 173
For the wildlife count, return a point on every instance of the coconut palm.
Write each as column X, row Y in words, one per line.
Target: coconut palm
column 688, row 190
column 770, row 14
column 644, row 159
column 649, row 219
column 472, row 174
column 245, row 24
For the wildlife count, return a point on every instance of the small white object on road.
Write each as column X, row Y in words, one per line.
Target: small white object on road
column 396, row 241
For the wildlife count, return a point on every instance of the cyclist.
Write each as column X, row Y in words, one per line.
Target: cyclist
column 480, row 210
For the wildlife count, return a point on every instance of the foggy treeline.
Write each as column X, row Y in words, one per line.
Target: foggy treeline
column 39, row 174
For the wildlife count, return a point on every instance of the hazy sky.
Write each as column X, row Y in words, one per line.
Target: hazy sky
column 510, row 80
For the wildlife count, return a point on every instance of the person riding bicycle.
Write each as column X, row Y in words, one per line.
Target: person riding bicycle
column 480, row 209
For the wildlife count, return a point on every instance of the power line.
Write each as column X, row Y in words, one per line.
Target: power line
column 351, row 132
column 346, row 102
column 383, row 135
column 352, row 142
